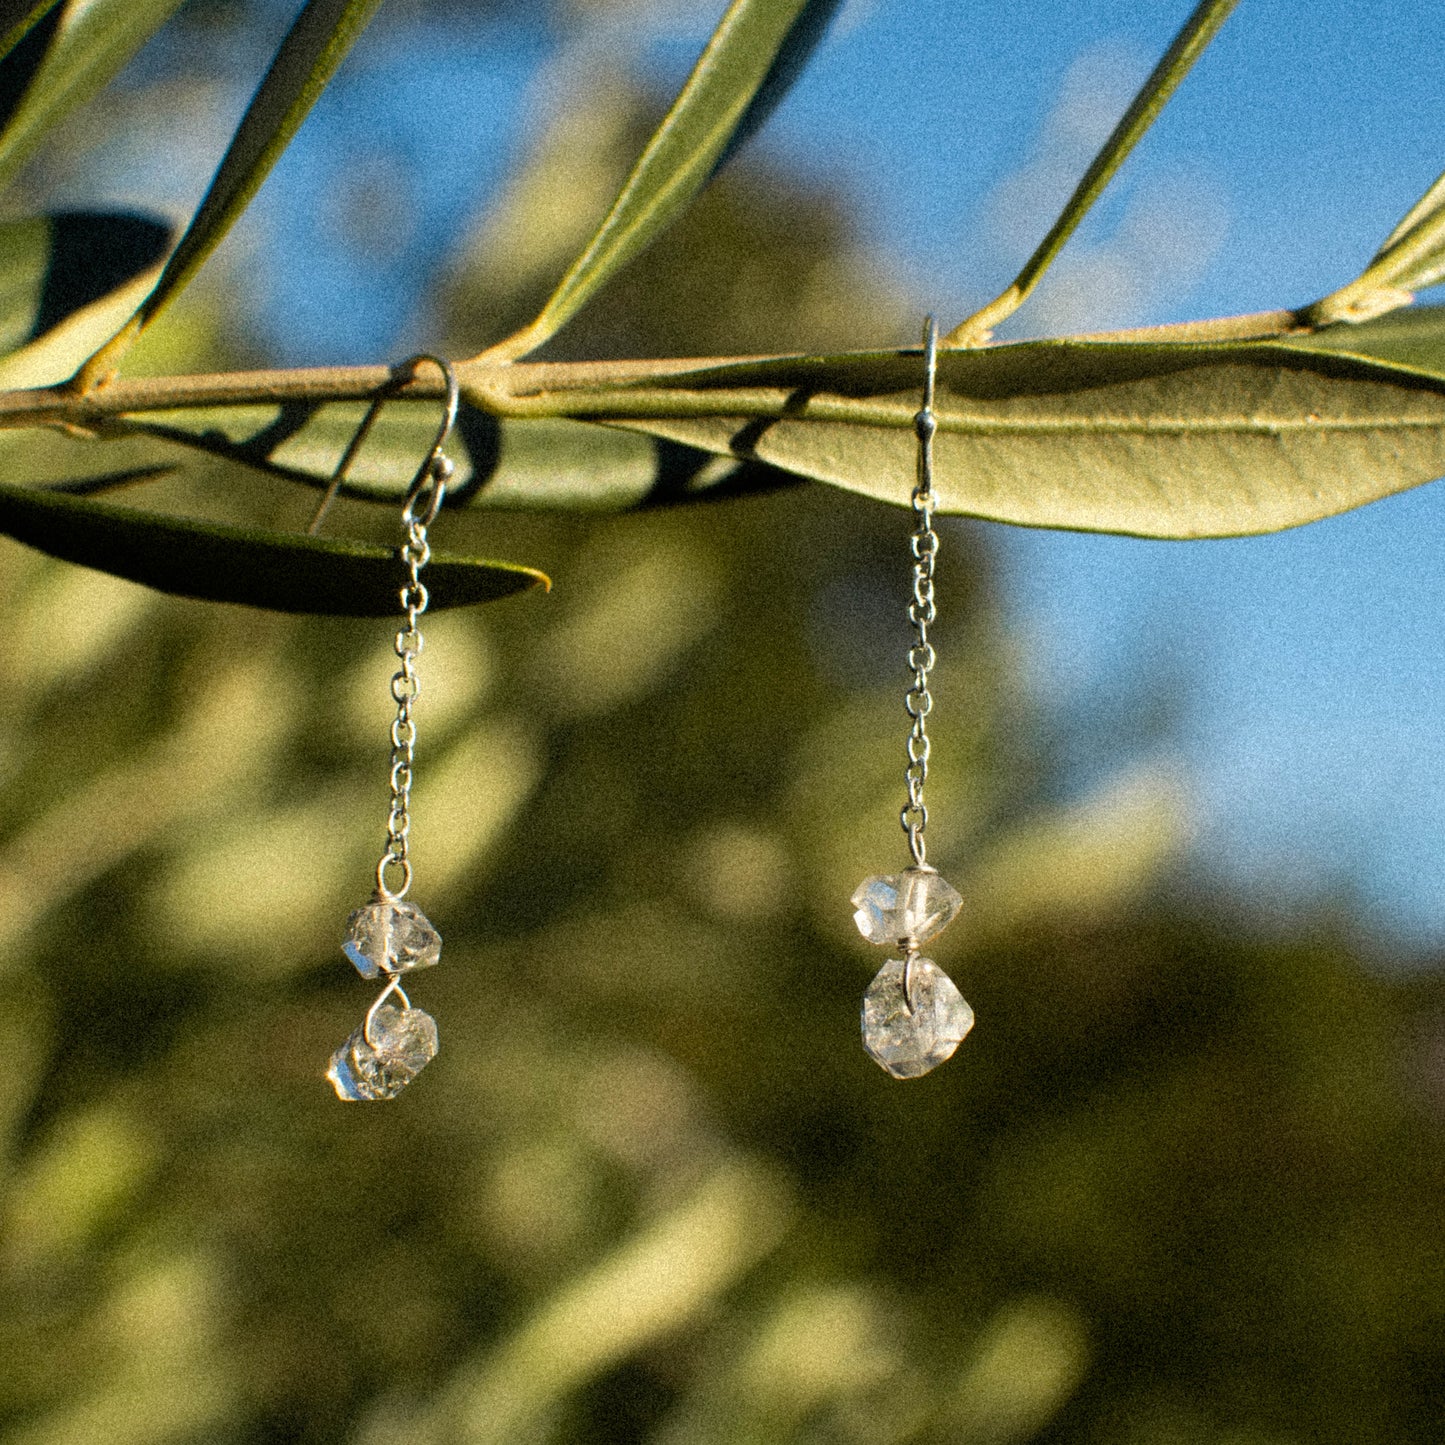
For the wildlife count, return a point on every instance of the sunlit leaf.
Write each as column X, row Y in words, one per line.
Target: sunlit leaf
column 313, row 48
column 67, row 281
column 1158, row 441
column 283, row 571
column 1430, row 204
column 758, row 49
column 67, row 55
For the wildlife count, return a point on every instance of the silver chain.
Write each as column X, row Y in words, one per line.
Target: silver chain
column 422, row 504
column 405, row 688
column 918, row 701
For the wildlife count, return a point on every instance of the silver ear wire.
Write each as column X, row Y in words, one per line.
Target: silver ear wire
column 930, row 365
column 434, row 465
column 436, row 469
column 925, row 423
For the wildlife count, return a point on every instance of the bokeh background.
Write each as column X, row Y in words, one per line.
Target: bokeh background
column 1183, row 1184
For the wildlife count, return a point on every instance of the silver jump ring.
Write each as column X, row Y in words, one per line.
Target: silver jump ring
column 393, row 895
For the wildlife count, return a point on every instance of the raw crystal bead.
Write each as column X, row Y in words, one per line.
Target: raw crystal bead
column 915, row 904
column 404, row 1042
column 908, row 1044
column 387, row 935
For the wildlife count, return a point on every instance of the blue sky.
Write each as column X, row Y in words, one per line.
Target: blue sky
column 1322, row 123
column 1311, row 664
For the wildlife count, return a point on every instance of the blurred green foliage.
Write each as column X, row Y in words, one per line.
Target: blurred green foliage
column 1180, row 1187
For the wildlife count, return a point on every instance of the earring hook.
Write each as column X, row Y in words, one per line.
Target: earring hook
column 430, row 483
column 435, row 468
column 930, row 361
column 925, row 423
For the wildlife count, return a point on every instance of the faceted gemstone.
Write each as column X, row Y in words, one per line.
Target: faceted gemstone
column 390, row 936
column 915, row 904
column 908, row 1044
column 404, row 1042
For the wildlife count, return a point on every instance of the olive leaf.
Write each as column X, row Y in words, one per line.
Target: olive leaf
column 757, row 51
column 1155, row 439
column 1416, row 247
column 1158, row 439
column 315, row 45
column 282, row 571
column 551, row 463
column 1175, row 441
column 59, row 56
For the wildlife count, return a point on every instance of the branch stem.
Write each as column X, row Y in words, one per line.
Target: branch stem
column 587, row 389
column 502, row 389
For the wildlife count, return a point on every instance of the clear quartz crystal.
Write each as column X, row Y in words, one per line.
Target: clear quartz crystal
column 390, row 936
column 908, row 1044
column 404, row 1042
column 915, row 904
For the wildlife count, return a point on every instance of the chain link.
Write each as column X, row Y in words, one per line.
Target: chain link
column 918, row 701
column 406, row 685
column 405, row 689
column 422, row 504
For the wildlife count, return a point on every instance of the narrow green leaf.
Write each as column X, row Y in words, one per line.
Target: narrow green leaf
column 1191, row 42
column 66, row 56
column 1412, row 258
column 18, row 18
column 67, row 281
column 758, row 49
column 1427, row 206
column 283, row 571
column 552, row 463
column 1413, row 338
column 308, row 57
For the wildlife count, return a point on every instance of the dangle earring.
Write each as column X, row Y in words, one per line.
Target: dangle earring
column 388, row 936
column 913, row 1014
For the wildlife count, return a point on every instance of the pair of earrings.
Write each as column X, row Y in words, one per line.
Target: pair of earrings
column 913, row 1014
